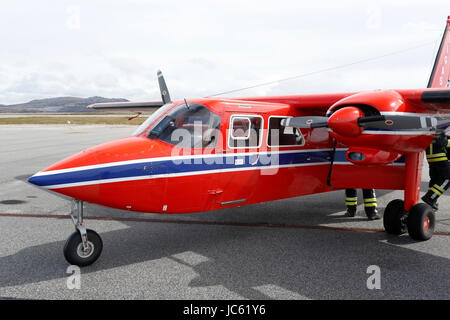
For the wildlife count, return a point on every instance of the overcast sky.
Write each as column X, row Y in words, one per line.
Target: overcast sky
column 114, row 48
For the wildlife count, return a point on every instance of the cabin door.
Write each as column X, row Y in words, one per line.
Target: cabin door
column 242, row 142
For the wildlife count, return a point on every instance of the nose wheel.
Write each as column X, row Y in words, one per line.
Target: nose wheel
column 84, row 246
column 419, row 222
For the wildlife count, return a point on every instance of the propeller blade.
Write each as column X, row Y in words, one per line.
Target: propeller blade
column 443, row 124
column 305, row 122
column 163, row 88
column 399, row 122
column 379, row 122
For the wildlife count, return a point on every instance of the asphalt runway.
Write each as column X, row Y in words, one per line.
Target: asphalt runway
column 300, row 248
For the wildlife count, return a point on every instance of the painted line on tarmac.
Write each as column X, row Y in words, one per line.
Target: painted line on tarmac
column 212, row 223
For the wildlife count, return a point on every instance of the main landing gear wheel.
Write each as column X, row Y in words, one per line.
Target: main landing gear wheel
column 394, row 217
column 84, row 246
column 76, row 254
column 421, row 222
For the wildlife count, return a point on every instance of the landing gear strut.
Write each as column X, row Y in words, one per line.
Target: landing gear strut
column 416, row 218
column 419, row 221
column 84, row 246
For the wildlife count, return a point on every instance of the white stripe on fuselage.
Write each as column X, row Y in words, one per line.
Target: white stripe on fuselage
column 181, row 174
column 193, row 173
column 176, row 158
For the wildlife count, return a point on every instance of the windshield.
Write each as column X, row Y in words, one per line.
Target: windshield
column 155, row 115
column 188, row 126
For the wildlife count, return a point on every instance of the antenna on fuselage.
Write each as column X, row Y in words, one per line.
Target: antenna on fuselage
column 165, row 96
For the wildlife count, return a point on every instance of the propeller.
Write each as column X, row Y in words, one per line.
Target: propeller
column 305, row 122
column 350, row 121
column 163, row 88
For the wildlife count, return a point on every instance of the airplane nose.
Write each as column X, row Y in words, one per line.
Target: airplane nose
column 116, row 174
column 37, row 179
column 104, row 173
column 66, row 172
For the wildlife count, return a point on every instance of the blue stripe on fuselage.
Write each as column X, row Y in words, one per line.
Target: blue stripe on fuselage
column 154, row 167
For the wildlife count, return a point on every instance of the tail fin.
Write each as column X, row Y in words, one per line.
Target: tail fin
column 440, row 76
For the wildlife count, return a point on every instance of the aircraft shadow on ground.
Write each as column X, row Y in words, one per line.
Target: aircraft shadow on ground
column 312, row 263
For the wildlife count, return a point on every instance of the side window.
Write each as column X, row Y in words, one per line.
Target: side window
column 245, row 131
column 283, row 136
column 240, row 128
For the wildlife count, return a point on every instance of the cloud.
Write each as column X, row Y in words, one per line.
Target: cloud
column 205, row 47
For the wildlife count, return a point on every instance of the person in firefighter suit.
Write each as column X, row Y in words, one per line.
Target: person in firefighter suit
column 438, row 163
column 370, row 203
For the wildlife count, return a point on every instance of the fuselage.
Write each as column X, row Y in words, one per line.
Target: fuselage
column 217, row 153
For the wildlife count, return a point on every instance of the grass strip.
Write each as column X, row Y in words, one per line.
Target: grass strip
column 73, row 120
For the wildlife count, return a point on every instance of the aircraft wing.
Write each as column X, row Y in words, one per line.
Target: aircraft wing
column 311, row 104
column 431, row 100
column 139, row 106
column 144, row 106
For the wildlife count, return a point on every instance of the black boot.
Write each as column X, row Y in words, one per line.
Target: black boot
column 351, row 211
column 373, row 214
column 432, row 203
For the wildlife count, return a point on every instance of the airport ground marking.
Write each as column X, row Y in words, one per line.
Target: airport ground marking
column 212, row 223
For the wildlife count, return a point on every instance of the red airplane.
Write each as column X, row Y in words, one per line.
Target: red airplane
column 213, row 153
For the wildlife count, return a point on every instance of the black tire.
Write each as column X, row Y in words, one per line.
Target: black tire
column 73, row 249
column 421, row 222
column 392, row 217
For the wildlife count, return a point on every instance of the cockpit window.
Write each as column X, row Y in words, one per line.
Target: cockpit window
column 188, row 126
column 155, row 115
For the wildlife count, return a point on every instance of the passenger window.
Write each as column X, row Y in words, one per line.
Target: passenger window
column 245, row 131
column 241, row 128
column 283, row 136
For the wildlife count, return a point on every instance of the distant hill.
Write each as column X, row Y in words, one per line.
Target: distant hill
column 59, row 104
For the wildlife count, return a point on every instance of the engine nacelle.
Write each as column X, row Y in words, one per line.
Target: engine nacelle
column 385, row 144
column 368, row 156
column 376, row 101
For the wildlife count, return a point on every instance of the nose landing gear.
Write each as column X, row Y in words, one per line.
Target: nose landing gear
column 84, row 246
column 419, row 221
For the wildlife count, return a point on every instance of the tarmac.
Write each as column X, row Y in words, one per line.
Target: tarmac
column 299, row 248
